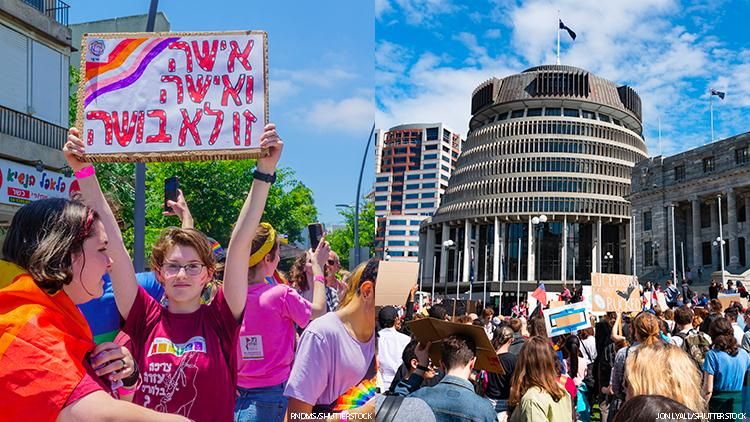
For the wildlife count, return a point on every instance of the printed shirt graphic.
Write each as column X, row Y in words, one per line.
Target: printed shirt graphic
column 188, row 361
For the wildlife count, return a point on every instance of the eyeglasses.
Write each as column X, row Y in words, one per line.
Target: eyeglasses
column 190, row 269
column 333, row 262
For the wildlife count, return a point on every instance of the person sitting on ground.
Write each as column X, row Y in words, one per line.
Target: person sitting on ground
column 664, row 369
column 454, row 397
column 724, row 369
column 391, row 344
column 536, row 393
column 650, row 408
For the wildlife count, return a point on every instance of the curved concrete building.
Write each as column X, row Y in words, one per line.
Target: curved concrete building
column 553, row 142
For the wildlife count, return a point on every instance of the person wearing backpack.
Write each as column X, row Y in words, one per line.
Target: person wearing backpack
column 693, row 342
column 725, row 367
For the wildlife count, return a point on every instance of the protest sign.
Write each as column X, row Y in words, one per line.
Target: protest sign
column 615, row 292
column 727, row 299
column 435, row 331
column 556, row 303
column 395, row 279
column 173, row 96
column 661, row 300
column 566, row 319
column 21, row 184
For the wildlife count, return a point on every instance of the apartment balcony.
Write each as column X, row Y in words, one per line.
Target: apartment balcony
column 30, row 139
column 54, row 9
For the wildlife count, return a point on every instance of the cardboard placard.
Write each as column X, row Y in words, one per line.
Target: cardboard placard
column 435, row 330
column 395, row 279
column 661, row 300
column 727, row 299
column 556, row 303
column 173, row 95
column 21, row 184
column 566, row 319
column 615, row 292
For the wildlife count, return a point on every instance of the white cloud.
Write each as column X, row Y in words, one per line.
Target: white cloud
column 281, row 89
column 492, row 34
column 352, row 115
column 416, row 12
column 381, row 7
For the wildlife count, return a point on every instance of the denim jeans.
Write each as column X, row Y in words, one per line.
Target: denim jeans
column 260, row 404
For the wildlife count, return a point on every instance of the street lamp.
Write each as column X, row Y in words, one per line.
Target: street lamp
column 720, row 243
column 447, row 245
column 608, row 257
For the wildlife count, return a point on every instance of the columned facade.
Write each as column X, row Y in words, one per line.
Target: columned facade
column 539, row 192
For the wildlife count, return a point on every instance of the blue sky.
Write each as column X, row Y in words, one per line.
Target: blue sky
column 431, row 54
column 321, row 78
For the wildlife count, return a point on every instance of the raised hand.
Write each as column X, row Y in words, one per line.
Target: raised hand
column 75, row 150
column 270, row 140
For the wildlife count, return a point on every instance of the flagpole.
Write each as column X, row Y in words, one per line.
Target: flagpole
column 558, row 37
column 711, row 107
column 484, row 293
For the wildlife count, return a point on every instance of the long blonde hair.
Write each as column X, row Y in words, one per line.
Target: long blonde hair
column 664, row 370
column 366, row 271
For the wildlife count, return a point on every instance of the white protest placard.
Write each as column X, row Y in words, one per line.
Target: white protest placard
column 173, row 96
column 21, row 184
column 661, row 300
column 395, row 279
column 566, row 319
column 726, row 299
column 615, row 293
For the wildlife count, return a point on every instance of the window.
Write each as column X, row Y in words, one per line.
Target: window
column 411, row 206
column 381, row 198
column 428, row 185
column 648, row 254
column 398, row 222
column 382, row 179
column 445, row 168
column 396, row 232
column 396, row 243
column 412, row 177
column 516, row 114
column 380, row 207
column 428, row 204
column 502, row 116
column 428, row 195
column 707, row 253
column 412, row 195
column 431, row 133
column 617, row 122
column 428, row 176
column 570, row 112
column 588, row 115
column 429, row 166
column 381, row 189
column 444, row 177
column 708, row 164
column 415, row 222
column 430, row 147
column 533, row 112
column 705, row 215
column 647, row 220
column 396, row 253
column 679, row 173
column 741, row 155
column 604, row 117
column 430, row 156
column 552, row 112
column 412, row 186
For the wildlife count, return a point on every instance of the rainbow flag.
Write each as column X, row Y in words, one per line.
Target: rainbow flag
column 359, row 394
column 43, row 342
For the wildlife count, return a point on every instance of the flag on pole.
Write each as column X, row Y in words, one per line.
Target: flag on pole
column 718, row 93
column 570, row 31
column 540, row 294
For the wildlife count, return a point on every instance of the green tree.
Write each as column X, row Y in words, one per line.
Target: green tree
column 75, row 79
column 342, row 239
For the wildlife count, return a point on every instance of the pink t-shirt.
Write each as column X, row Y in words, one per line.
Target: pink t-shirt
column 187, row 361
column 266, row 345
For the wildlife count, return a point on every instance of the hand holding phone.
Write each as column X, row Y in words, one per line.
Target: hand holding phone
column 170, row 193
column 315, row 230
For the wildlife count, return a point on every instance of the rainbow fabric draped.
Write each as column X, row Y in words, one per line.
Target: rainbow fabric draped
column 359, row 394
column 43, row 341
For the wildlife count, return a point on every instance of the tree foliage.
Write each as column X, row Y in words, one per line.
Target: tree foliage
column 342, row 239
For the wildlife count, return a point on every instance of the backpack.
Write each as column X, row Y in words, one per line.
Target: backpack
column 696, row 345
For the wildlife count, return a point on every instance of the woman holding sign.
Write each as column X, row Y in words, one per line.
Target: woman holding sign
column 186, row 351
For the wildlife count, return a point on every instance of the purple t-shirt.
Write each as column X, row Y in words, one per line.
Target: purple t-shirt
column 266, row 343
column 188, row 362
column 329, row 361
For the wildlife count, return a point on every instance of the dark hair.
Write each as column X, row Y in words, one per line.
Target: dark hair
column 722, row 336
column 44, row 235
column 364, row 272
column 515, row 325
column 457, row 350
column 571, row 351
column 437, row 311
column 731, row 313
column 297, row 275
column 488, row 313
column 683, row 315
column 715, row 306
column 502, row 335
column 648, row 408
column 463, row 319
column 409, row 354
column 537, row 327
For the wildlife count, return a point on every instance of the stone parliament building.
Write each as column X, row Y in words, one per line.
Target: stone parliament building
column 695, row 184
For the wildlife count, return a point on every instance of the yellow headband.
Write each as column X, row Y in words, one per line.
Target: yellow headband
column 258, row 255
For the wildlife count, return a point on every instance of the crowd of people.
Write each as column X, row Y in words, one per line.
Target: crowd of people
column 207, row 335
column 687, row 359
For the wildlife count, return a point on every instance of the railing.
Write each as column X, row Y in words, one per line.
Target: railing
column 31, row 129
column 55, row 9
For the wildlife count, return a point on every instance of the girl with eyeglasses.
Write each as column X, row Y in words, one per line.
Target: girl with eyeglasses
column 186, row 351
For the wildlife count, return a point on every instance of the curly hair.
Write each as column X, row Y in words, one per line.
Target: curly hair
column 722, row 336
column 297, row 275
column 43, row 237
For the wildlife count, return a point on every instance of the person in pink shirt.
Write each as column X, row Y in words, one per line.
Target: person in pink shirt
column 266, row 339
column 186, row 351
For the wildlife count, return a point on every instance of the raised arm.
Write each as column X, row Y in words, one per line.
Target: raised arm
column 319, row 306
column 238, row 252
column 181, row 210
column 122, row 274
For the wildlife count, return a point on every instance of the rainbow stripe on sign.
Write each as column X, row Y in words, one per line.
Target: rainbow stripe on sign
column 127, row 62
column 162, row 345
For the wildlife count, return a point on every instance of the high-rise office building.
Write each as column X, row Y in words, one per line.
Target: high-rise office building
column 413, row 164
